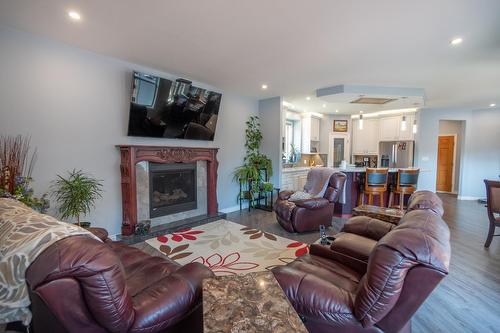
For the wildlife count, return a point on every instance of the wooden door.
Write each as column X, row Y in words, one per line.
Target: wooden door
column 446, row 146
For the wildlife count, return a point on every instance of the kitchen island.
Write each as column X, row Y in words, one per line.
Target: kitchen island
column 296, row 177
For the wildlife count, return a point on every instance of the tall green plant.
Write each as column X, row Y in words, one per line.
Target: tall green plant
column 76, row 194
column 249, row 174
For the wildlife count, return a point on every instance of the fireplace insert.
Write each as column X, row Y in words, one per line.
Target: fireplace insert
column 172, row 188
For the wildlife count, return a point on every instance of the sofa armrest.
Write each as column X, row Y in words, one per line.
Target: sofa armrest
column 100, row 233
column 285, row 195
column 350, row 262
column 367, row 227
column 314, row 203
column 166, row 302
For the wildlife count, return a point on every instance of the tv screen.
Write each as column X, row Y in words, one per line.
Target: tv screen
column 172, row 109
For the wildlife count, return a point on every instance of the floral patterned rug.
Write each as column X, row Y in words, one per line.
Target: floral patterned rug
column 229, row 248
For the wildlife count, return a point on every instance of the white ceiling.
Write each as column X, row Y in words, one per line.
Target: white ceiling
column 294, row 46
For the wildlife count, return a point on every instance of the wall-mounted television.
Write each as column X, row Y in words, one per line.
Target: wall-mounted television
column 163, row 108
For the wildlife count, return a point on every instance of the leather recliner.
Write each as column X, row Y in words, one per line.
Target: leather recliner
column 335, row 293
column 309, row 214
column 79, row 284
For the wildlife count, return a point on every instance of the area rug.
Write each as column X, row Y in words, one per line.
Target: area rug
column 229, row 248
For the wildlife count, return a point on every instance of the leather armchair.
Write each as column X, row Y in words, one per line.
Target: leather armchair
column 309, row 214
column 334, row 293
column 79, row 284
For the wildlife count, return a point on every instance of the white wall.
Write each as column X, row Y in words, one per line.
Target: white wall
column 480, row 152
column 75, row 105
column 272, row 119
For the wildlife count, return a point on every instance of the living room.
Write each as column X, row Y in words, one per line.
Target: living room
column 196, row 151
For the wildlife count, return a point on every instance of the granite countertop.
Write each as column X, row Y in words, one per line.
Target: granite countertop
column 348, row 169
column 253, row 302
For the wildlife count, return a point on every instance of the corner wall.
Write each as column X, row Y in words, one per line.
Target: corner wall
column 480, row 157
column 271, row 123
column 75, row 106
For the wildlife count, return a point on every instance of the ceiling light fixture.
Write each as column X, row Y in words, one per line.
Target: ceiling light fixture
column 336, row 111
column 308, row 98
column 264, row 86
column 360, row 123
column 324, row 105
column 74, row 15
column 492, row 105
column 456, row 41
column 414, row 126
column 403, row 123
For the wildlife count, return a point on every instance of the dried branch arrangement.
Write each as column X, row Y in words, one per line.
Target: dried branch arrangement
column 15, row 160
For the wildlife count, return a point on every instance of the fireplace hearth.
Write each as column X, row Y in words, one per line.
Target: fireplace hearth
column 172, row 188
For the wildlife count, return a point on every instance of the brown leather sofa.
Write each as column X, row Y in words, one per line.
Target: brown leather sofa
column 79, row 284
column 309, row 214
column 379, row 293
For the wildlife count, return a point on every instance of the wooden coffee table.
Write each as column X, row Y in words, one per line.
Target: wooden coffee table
column 390, row 215
column 252, row 302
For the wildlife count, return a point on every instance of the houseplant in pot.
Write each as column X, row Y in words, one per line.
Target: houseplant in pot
column 250, row 175
column 76, row 195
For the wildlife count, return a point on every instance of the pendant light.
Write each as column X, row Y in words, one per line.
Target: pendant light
column 360, row 122
column 414, row 126
column 403, row 124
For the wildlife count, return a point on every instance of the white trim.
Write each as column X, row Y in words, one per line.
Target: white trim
column 234, row 208
column 464, row 197
column 453, row 190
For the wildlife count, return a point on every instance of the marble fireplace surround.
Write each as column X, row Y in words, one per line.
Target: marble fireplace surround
column 131, row 155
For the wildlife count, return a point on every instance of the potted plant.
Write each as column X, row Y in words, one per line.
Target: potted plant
column 249, row 174
column 76, row 195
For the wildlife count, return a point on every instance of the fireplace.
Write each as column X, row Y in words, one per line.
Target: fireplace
column 172, row 188
column 133, row 155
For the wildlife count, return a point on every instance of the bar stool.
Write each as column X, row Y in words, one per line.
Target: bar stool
column 406, row 184
column 375, row 185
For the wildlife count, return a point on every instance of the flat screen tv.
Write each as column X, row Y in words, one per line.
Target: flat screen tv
column 162, row 108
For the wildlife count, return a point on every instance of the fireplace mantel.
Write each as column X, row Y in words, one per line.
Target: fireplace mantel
column 133, row 154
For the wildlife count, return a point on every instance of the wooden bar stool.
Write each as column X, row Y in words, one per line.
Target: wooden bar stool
column 406, row 184
column 375, row 185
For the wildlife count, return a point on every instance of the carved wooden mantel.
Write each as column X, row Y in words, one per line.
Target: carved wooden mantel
column 133, row 154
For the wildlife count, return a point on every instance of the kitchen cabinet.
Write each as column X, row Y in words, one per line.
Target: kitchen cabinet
column 365, row 141
column 314, row 129
column 390, row 128
column 294, row 179
column 310, row 133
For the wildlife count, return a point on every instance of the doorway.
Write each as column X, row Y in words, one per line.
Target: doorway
column 445, row 163
column 451, row 134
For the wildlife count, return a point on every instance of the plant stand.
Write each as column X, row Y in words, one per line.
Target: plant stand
column 268, row 197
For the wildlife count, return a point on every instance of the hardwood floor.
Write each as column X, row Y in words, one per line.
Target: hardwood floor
column 467, row 300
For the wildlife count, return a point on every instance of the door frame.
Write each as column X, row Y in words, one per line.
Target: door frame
column 347, row 147
column 454, row 163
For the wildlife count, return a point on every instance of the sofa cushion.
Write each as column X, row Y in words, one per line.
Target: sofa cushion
column 319, row 288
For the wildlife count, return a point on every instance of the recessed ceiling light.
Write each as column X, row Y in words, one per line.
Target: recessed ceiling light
column 336, row 111
column 492, row 105
column 308, row 98
column 360, row 111
column 264, row 86
column 456, row 41
column 74, row 15
column 324, row 105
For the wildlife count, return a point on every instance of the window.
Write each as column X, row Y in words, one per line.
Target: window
column 289, row 127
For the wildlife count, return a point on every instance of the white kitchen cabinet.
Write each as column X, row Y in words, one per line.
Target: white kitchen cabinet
column 314, row 129
column 365, row 141
column 310, row 132
column 389, row 128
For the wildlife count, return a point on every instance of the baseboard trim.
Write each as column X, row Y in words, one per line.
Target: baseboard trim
column 464, row 197
column 234, row 208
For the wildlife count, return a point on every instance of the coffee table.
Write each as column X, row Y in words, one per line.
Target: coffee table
column 252, row 302
column 390, row 215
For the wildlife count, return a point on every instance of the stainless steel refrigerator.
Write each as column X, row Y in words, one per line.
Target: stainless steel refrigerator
column 396, row 154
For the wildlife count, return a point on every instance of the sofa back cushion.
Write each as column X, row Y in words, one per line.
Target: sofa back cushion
column 421, row 239
column 335, row 187
column 99, row 274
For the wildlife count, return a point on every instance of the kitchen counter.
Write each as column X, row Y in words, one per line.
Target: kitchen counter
column 347, row 170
